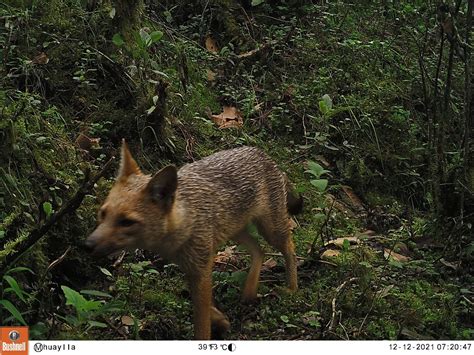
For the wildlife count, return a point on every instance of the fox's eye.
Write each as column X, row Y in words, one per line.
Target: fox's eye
column 126, row 222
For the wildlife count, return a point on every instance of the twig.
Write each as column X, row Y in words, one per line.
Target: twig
column 119, row 259
column 58, row 260
column 70, row 206
column 114, row 327
column 339, row 289
column 324, row 225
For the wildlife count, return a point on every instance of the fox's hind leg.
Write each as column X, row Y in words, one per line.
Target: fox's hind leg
column 251, row 284
column 278, row 235
column 219, row 323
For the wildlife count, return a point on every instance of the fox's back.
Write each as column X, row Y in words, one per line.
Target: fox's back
column 228, row 189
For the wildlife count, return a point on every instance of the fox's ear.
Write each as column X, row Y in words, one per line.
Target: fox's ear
column 162, row 187
column 128, row 165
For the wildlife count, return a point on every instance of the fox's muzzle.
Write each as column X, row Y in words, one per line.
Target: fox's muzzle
column 98, row 245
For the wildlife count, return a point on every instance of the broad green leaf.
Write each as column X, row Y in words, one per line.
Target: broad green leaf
column 15, row 287
column 285, row 319
column 118, row 40
column 13, row 310
column 257, row 2
column 316, row 169
column 156, row 36
column 95, row 293
column 75, row 299
column 47, row 208
column 112, row 13
column 320, row 184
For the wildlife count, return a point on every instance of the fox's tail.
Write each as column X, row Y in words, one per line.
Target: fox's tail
column 294, row 201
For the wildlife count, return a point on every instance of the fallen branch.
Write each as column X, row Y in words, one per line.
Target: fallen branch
column 70, row 206
column 332, row 323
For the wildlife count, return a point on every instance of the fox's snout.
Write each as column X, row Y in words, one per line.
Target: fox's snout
column 98, row 245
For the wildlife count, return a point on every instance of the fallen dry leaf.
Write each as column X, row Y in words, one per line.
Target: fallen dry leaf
column 211, row 45
column 41, row 59
column 211, row 76
column 385, row 291
column 126, row 320
column 323, row 161
column 87, row 143
column 453, row 266
column 339, row 242
column 250, row 53
column 395, row 256
column 269, row 264
column 292, row 223
column 332, row 201
column 230, row 117
column 330, row 254
column 401, row 248
column 353, row 199
column 366, row 234
column 227, row 255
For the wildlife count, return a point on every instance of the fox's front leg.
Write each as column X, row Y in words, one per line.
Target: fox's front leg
column 200, row 285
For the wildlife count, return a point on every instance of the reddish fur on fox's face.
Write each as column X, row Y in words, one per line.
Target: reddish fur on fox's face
column 117, row 229
column 133, row 198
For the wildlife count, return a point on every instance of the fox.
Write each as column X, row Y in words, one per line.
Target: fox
column 185, row 215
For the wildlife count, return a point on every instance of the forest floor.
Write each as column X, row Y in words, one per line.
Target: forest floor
column 328, row 91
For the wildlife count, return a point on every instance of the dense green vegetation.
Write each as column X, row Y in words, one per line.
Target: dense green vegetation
column 366, row 105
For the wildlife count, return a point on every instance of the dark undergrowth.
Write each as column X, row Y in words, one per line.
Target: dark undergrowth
column 333, row 89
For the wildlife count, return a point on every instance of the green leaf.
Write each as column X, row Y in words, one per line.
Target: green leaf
column 315, row 169
column 13, row 310
column 323, row 107
column 365, row 264
column 105, row 272
column 118, row 40
column 284, row 319
column 346, row 244
column 47, row 208
column 145, row 37
column 257, row 2
column 325, row 104
column 156, row 36
column 320, row 184
column 2, row 234
column 18, row 269
column 112, row 13
column 15, row 287
column 93, row 323
column 328, row 101
column 95, row 293
column 75, row 299
column 150, row 110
